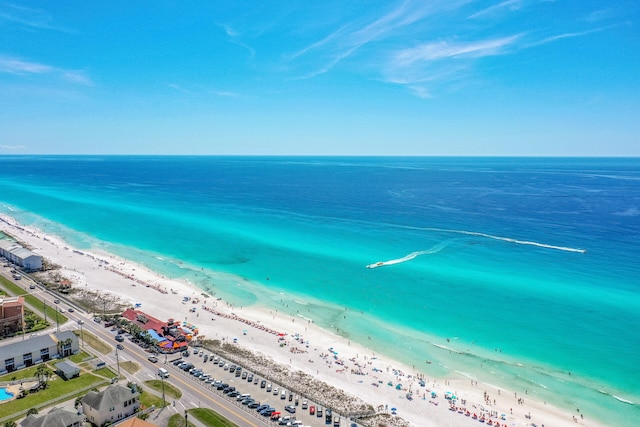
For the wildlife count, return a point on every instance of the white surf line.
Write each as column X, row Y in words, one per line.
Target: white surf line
column 622, row 400
column 412, row 255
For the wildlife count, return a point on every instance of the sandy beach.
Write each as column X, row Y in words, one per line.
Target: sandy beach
column 347, row 366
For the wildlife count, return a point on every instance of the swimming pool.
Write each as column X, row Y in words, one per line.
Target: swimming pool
column 4, row 394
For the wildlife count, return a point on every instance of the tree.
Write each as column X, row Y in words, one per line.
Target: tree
column 10, row 424
column 43, row 373
column 32, row 411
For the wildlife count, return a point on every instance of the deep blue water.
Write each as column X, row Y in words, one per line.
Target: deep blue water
column 526, row 266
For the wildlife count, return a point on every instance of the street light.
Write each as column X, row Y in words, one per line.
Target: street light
column 164, row 402
column 81, row 322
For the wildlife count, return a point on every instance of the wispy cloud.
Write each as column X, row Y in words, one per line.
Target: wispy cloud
column 509, row 5
column 12, row 147
column 432, row 51
column 17, row 66
column 349, row 38
column 30, row 18
column 565, row 36
column 226, row 94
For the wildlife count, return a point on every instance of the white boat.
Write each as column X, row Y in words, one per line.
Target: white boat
column 376, row 265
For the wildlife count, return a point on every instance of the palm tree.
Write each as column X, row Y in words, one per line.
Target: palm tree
column 41, row 373
column 10, row 424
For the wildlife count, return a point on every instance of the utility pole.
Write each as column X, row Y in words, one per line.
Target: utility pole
column 81, row 322
column 164, row 403
column 118, row 362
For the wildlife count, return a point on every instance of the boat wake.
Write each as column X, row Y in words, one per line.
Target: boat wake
column 437, row 248
column 507, row 239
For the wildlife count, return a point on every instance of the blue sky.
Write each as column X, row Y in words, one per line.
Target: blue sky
column 452, row 77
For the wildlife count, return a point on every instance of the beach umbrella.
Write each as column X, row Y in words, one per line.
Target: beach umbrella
column 393, row 409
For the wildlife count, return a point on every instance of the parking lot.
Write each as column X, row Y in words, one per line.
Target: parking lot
column 258, row 396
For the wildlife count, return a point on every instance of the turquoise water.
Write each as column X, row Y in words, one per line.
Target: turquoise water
column 4, row 394
column 526, row 268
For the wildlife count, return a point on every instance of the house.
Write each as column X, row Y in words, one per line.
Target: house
column 18, row 354
column 67, row 369
column 11, row 315
column 57, row 417
column 23, row 257
column 112, row 404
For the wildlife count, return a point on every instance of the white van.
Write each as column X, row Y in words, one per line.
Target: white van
column 283, row 394
column 163, row 373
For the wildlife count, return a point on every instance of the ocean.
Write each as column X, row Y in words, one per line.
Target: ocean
column 521, row 272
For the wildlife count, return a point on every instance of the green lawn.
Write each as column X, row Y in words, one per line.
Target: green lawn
column 169, row 390
column 22, row 373
column 105, row 372
column 148, row 399
column 129, row 366
column 177, row 420
column 79, row 357
column 210, row 418
column 57, row 387
column 93, row 341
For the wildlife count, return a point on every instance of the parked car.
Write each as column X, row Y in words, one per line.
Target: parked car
column 119, row 338
column 305, row 404
column 312, row 410
column 290, row 408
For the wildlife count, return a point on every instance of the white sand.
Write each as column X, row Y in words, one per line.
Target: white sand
column 164, row 300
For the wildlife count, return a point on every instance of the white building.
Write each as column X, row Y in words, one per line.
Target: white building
column 19, row 255
column 20, row 354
